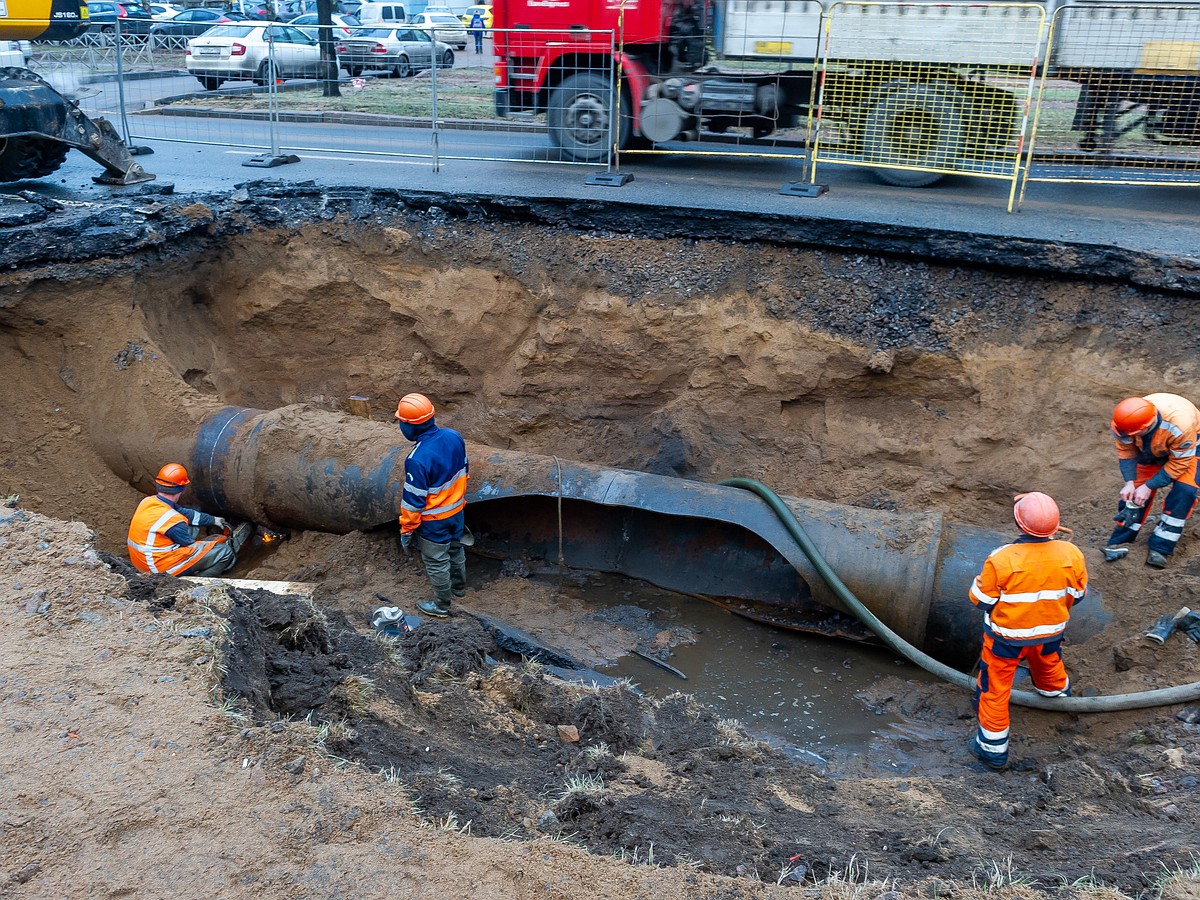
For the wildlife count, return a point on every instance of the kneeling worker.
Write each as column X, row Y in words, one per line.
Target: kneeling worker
column 435, row 495
column 164, row 537
column 1026, row 589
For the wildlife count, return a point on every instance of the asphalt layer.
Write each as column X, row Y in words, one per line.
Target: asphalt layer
column 1144, row 234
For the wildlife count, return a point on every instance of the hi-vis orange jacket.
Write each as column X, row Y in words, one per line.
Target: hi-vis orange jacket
column 151, row 550
column 1027, row 589
column 1173, row 444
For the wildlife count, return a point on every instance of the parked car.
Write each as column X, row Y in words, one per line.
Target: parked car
column 242, row 50
column 444, row 27
column 371, row 12
column 484, row 9
column 193, row 22
column 103, row 15
column 400, row 51
column 161, row 12
column 342, row 25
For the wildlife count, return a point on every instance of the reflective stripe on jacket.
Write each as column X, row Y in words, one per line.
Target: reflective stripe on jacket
column 435, row 485
column 1027, row 589
column 1172, row 444
column 151, row 550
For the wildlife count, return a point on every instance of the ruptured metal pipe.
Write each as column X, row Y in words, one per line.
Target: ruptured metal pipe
column 299, row 467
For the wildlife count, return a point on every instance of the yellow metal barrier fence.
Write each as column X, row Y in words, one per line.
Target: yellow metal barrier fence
column 1119, row 98
column 921, row 90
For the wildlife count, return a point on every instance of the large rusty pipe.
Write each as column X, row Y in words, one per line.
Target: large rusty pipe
column 300, row 467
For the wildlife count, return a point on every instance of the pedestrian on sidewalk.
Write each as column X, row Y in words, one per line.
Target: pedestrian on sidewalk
column 477, row 30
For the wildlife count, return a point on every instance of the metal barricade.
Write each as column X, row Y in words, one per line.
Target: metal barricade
column 920, row 90
column 736, row 80
column 1119, row 98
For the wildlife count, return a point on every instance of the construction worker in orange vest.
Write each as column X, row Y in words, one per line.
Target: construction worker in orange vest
column 164, row 537
column 1026, row 589
column 1156, row 446
column 432, row 504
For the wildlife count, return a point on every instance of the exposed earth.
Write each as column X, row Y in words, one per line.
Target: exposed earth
column 166, row 738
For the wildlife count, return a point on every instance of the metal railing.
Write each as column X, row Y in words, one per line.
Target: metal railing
column 1105, row 94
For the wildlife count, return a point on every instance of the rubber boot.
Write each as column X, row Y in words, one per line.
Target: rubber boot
column 1156, row 559
column 435, row 608
column 993, row 762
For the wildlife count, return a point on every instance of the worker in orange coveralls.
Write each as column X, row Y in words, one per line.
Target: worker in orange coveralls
column 164, row 537
column 1026, row 589
column 1156, row 446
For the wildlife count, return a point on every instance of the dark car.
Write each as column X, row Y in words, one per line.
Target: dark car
column 103, row 16
column 192, row 22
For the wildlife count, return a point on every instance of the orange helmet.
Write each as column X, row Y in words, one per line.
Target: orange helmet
column 413, row 409
column 1134, row 414
column 1036, row 513
column 172, row 478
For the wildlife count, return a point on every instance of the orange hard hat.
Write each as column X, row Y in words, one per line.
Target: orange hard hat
column 1036, row 513
column 172, row 478
column 1134, row 414
column 413, row 409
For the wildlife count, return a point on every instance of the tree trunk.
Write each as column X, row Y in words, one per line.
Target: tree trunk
column 329, row 64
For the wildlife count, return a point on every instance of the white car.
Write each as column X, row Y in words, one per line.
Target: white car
column 241, row 50
column 342, row 25
column 401, row 51
column 445, row 27
column 163, row 12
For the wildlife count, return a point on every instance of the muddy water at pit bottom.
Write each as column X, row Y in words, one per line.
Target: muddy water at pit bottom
column 795, row 691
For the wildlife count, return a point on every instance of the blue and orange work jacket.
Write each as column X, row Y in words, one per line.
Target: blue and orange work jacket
column 435, row 486
column 152, row 549
column 1027, row 589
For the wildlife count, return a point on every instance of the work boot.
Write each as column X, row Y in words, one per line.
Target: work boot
column 1112, row 554
column 993, row 762
column 1156, row 559
column 434, row 608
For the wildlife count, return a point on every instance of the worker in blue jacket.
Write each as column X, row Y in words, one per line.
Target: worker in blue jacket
column 432, row 504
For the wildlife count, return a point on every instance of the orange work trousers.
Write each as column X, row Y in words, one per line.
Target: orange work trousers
column 998, row 665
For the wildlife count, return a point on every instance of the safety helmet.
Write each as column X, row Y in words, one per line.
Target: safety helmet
column 172, row 478
column 1036, row 513
column 414, row 409
column 1134, row 414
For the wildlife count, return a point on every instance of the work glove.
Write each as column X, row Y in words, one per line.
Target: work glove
column 405, row 540
column 1165, row 624
column 222, row 524
column 1190, row 625
column 1128, row 517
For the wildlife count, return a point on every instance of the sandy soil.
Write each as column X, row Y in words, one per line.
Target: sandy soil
column 870, row 381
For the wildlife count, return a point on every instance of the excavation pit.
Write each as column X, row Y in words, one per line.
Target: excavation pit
column 889, row 382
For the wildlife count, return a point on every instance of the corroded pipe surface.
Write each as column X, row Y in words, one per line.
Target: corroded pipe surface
column 303, row 468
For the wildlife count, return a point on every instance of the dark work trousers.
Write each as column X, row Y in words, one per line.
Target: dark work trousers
column 1181, row 498
column 446, row 566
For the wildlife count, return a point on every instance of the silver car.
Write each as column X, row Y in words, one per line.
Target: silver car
column 243, row 50
column 401, row 51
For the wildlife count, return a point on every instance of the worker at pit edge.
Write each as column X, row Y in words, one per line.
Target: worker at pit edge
column 1156, row 446
column 164, row 537
column 434, row 498
column 1026, row 589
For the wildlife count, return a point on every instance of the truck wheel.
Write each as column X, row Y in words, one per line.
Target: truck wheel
column 25, row 157
column 579, row 117
column 916, row 126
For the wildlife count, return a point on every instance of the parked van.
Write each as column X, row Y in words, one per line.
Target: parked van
column 373, row 12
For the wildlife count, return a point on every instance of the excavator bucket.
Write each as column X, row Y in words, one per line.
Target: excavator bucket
column 38, row 125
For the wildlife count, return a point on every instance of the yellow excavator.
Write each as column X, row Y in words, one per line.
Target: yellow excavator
column 38, row 125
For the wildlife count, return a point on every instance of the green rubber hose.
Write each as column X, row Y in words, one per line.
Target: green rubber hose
column 1184, row 693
